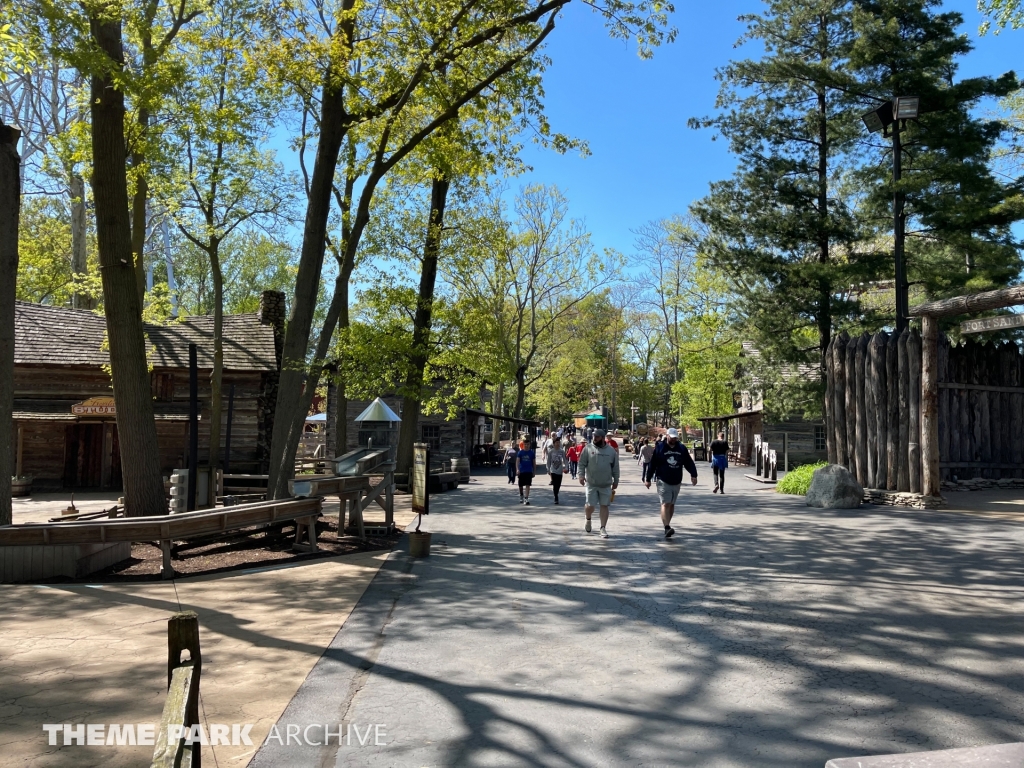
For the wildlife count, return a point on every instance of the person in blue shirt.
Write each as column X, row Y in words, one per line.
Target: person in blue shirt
column 526, row 459
column 667, row 464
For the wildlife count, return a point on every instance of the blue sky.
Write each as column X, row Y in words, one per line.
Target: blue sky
column 646, row 163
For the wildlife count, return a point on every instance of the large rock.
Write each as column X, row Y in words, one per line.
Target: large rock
column 834, row 487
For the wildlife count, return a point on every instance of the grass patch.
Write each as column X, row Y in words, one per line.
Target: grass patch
column 797, row 481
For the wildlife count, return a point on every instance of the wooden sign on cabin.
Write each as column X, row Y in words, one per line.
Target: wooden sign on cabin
column 95, row 406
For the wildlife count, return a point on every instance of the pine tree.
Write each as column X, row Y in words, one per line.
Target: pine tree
column 958, row 213
column 781, row 227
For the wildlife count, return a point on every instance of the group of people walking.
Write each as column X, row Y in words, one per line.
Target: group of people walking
column 596, row 465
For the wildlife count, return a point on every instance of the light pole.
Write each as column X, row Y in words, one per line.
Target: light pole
column 895, row 114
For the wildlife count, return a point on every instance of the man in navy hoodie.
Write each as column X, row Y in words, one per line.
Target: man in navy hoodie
column 666, row 465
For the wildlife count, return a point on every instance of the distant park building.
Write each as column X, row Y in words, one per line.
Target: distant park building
column 806, row 437
column 65, row 430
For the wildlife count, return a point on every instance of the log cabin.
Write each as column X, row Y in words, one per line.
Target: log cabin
column 64, row 426
column 805, row 438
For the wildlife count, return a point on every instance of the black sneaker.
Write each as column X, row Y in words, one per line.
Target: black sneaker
column 669, row 532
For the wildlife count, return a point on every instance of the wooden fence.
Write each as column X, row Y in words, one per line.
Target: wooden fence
column 873, row 409
column 181, row 707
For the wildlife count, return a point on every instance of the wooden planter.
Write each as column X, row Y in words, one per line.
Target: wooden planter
column 21, row 486
column 419, row 544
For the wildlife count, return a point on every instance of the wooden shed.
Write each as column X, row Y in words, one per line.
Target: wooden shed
column 64, row 426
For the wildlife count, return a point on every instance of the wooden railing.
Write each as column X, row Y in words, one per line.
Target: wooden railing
column 168, row 528
column 181, row 708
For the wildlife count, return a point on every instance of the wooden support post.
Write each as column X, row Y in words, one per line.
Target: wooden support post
column 892, row 397
column 166, row 571
column 389, row 500
column 830, row 411
column 914, row 426
column 930, row 407
column 21, row 443
column 839, row 398
column 851, row 405
column 879, row 346
column 903, row 477
column 870, row 410
column 183, row 635
column 860, row 365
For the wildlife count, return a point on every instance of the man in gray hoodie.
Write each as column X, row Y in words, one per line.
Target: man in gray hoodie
column 599, row 472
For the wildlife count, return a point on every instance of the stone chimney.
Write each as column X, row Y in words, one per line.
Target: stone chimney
column 271, row 312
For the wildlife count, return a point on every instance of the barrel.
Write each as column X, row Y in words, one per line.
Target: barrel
column 461, row 465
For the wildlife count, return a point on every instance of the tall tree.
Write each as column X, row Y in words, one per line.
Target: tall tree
column 219, row 176
column 364, row 72
column 530, row 275
column 136, row 429
column 48, row 100
column 783, row 230
column 958, row 213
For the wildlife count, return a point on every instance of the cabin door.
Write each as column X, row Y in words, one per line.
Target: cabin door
column 92, row 456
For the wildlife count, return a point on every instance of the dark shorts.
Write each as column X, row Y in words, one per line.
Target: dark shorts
column 525, row 478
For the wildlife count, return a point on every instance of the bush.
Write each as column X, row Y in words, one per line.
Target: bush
column 797, row 481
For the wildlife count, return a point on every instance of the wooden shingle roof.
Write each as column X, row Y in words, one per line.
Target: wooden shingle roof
column 47, row 335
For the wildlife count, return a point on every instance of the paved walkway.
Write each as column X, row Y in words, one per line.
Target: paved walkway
column 97, row 653
column 765, row 634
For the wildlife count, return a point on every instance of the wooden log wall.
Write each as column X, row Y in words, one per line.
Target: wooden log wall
column 874, row 405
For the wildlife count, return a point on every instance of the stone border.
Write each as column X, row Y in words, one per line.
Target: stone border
column 982, row 484
column 901, row 499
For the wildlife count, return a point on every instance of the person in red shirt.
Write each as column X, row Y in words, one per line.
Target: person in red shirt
column 573, row 455
column 612, row 442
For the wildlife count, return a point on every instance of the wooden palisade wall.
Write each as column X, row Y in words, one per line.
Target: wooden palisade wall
column 873, row 409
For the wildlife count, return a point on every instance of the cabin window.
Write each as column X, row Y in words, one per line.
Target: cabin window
column 431, row 435
column 819, row 438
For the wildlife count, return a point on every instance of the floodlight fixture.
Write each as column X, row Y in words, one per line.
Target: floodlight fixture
column 879, row 118
column 906, row 107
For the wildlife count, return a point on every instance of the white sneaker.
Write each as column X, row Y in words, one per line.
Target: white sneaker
column 587, row 527
column 604, row 534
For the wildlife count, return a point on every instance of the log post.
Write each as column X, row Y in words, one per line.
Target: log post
column 870, row 422
column 892, row 433
column 879, row 346
column 930, row 484
column 860, row 366
column 914, row 425
column 839, row 398
column 10, row 211
column 830, row 411
column 183, row 635
column 851, row 405
column 903, row 477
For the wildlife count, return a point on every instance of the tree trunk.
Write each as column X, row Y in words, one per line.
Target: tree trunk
column 521, row 393
column 10, row 209
column 411, row 401
column 294, row 369
column 499, row 393
column 136, row 429
column 79, row 239
column 139, row 205
column 217, row 376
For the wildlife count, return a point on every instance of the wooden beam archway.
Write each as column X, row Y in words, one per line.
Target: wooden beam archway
column 930, row 314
